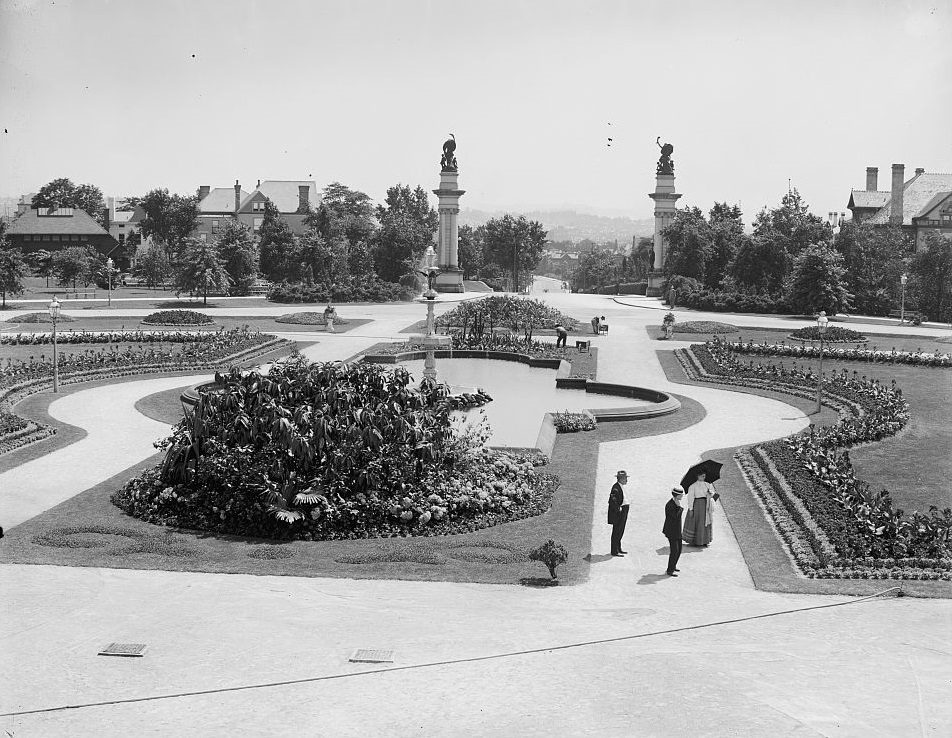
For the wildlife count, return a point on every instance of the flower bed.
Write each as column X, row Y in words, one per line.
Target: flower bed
column 19, row 379
column 914, row 358
column 704, row 327
column 833, row 334
column 177, row 317
column 833, row 524
column 109, row 337
column 330, row 451
column 309, row 318
column 569, row 422
column 41, row 318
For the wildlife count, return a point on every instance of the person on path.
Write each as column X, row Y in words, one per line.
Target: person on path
column 602, row 325
column 672, row 529
column 698, row 522
column 618, row 512
column 595, row 325
column 561, row 336
column 329, row 316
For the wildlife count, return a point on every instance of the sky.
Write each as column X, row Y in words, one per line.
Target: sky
column 755, row 95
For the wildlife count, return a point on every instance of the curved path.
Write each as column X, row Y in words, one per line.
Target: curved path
column 872, row 668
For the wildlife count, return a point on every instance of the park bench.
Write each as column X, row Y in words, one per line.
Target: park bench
column 583, row 346
column 910, row 315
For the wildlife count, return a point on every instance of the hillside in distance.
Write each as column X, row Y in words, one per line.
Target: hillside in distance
column 571, row 225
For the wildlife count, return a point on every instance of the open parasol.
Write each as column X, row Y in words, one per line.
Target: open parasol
column 711, row 468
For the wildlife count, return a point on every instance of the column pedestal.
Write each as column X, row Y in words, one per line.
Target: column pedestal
column 450, row 278
column 665, row 199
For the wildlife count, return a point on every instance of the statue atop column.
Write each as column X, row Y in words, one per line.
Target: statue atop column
column 665, row 163
column 448, row 162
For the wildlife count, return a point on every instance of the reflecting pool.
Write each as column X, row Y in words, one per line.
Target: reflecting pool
column 521, row 394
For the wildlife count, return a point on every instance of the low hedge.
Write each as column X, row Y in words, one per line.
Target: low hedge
column 370, row 291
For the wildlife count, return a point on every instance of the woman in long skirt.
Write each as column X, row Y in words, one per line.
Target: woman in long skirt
column 698, row 521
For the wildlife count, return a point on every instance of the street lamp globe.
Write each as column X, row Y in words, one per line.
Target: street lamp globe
column 54, row 309
column 822, row 321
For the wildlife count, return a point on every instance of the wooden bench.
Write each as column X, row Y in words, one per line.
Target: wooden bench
column 910, row 315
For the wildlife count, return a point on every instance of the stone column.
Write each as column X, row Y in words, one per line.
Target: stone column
column 450, row 278
column 664, row 198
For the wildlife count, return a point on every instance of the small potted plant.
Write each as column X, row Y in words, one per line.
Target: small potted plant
column 667, row 325
column 551, row 554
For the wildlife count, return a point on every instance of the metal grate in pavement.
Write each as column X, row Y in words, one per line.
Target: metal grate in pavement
column 372, row 656
column 123, row 649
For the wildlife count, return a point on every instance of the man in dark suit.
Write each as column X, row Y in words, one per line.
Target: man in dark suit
column 618, row 512
column 672, row 529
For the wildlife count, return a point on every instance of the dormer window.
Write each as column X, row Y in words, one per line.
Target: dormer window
column 54, row 212
column 258, row 206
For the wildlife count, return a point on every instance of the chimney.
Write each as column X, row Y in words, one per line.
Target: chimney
column 872, row 178
column 920, row 170
column 258, row 186
column 203, row 191
column 303, row 197
column 111, row 204
column 237, row 196
column 106, row 218
column 895, row 199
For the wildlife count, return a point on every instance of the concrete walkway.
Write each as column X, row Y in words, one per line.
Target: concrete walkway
column 488, row 660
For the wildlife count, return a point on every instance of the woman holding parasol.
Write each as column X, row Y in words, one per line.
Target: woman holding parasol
column 699, row 502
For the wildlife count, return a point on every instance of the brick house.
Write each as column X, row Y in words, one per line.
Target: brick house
column 921, row 205
column 216, row 206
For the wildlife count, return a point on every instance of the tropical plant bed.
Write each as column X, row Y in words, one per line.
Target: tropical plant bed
column 41, row 317
column 832, row 522
column 859, row 353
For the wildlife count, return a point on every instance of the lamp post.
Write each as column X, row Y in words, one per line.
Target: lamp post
column 902, row 304
column 429, row 364
column 821, row 322
column 109, row 263
column 54, row 314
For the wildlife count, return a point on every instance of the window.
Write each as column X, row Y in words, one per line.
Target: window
column 203, row 237
column 214, row 226
column 258, row 206
column 258, row 222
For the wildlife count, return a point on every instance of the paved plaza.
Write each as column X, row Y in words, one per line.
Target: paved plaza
column 628, row 653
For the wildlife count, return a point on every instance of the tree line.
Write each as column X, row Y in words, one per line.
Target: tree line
column 350, row 247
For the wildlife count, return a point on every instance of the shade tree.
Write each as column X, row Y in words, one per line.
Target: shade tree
column 63, row 193
column 239, row 254
column 201, row 269
column 169, row 219
column 818, row 282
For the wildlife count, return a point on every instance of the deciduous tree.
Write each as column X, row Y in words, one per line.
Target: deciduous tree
column 514, row 244
column 169, row 219
column 407, row 225
column 239, row 253
column 932, row 273
column 791, row 226
column 153, row 267
column 62, row 193
column 76, row 264
column 201, row 269
column 818, row 282
column 12, row 271
column 276, row 245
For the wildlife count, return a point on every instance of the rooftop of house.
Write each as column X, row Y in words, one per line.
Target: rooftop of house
column 221, row 200
column 53, row 221
column 917, row 193
column 284, row 194
column 868, row 199
column 934, row 203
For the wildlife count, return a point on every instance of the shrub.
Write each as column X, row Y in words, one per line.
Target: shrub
column 478, row 317
column 371, row 290
column 834, row 334
column 551, row 554
column 568, row 422
column 177, row 317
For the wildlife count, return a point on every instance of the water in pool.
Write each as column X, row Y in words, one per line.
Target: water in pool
column 521, row 394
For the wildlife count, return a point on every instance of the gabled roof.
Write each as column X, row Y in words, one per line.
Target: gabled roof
column 220, row 200
column 867, row 199
column 916, row 194
column 76, row 223
column 284, row 195
column 934, row 203
column 122, row 216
